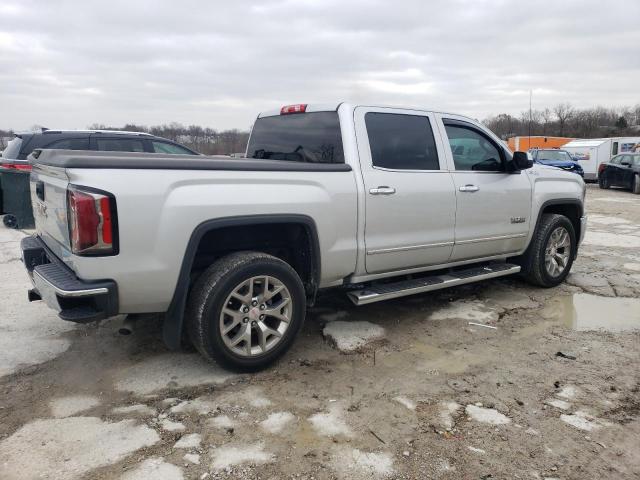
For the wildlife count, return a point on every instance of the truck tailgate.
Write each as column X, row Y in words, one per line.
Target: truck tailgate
column 49, row 199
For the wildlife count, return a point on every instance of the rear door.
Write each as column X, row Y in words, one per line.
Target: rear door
column 493, row 206
column 410, row 202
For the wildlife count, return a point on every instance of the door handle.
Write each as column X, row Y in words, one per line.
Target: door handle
column 382, row 190
column 469, row 188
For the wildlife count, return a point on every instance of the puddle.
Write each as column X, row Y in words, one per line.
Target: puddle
column 583, row 311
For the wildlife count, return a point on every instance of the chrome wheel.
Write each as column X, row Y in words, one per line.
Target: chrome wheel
column 558, row 252
column 255, row 316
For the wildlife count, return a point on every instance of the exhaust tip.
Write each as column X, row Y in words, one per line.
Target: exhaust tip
column 127, row 327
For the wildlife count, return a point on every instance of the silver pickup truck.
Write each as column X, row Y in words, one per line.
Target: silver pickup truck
column 380, row 202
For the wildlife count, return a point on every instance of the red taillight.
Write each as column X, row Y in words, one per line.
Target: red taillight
column 91, row 225
column 298, row 108
column 601, row 168
column 17, row 166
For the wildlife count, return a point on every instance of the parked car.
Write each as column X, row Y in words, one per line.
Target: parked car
column 557, row 158
column 380, row 202
column 18, row 149
column 621, row 171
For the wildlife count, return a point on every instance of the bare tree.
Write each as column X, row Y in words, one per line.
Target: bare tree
column 564, row 112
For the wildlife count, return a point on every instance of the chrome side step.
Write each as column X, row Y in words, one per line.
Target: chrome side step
column 377, row 293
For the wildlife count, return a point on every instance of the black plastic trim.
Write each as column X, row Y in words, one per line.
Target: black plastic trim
column 172, row 328
column 87, row 308
column 156, row 161
column 561, row 201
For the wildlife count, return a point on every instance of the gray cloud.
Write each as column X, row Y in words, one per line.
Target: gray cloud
column 69, row 64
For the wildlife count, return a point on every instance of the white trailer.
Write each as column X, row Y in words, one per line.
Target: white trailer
column 590, row 153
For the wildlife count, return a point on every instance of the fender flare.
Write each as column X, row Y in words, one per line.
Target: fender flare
column 174, row 316
column 558, row 201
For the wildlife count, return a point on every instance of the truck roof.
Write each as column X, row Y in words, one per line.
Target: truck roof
column 585, row 143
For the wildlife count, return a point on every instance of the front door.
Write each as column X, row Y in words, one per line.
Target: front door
column 410, row 200
column 493, row 206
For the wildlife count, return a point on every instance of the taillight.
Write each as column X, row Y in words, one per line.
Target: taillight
column 601, row 168
column 298, row 108
column 17, row 166
column 91, row 222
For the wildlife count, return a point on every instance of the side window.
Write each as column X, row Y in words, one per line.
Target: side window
column 616, row 160
column 472, row 150
column 164, row 147
column 401, row 142
column 614, row 148
column 120, row 145
column 70, row 144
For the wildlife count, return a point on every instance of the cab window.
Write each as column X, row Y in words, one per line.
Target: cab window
column 473, row 150
column 70, row 144
column 401, row 142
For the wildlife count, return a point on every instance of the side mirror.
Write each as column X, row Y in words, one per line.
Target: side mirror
column 520, row 161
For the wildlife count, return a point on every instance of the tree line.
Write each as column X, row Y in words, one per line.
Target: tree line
column 563, row 120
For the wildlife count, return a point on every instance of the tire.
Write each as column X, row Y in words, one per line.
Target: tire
column 218, row 288
column 635, row 185
column 10, row 221
column 603, row 183
column 534, row 261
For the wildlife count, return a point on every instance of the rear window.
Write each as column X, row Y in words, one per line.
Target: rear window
column 300, row 137
column 13, row 149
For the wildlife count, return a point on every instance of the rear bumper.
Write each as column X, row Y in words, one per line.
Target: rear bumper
column 75, row 300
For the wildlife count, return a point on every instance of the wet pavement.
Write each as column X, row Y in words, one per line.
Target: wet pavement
column 421, row 389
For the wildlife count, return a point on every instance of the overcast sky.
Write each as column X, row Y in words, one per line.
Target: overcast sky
column 69, row 64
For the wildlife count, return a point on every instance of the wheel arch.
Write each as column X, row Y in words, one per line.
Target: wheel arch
column 571, row 208
column 209, row 229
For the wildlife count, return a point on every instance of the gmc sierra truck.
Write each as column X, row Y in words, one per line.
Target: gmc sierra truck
column 380, row 202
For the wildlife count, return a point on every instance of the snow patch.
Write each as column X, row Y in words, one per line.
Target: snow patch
column 137, row 409
column 171, row 426
column 447, row 410
column 276, row 422
column 568, row 392
column 355, row 464
column 192, row 440
column 351, row 336
column 193, row 458
column 154, row 468
column 222, row 422
column 471, row 310
column 170, row 370
column 487, row 415
column 198, row 405
column 229, row 455
column 632, row 266
column 603, row 220
column 557, row 403
column 581, row 421
column 410, row 404
column 330, row 424
column 67, row 406
column 70, row 447
column 607, row 239
column 476, row 450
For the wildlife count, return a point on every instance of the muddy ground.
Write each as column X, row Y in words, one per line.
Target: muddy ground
column 424, row 395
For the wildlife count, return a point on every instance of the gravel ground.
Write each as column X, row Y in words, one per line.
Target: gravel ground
column 551, row 391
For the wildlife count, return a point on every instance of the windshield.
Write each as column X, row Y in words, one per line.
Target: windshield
column 13, row 149
column 300, row 137
column 553, row 155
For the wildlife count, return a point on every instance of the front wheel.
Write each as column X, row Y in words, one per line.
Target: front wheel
column 245, row 310
column 603, row 182
column 550, row 255
column 635, row 187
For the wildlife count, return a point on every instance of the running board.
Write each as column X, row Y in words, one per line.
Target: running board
column 377, row 293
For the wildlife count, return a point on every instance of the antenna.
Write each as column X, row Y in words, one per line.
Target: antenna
column 530, row 116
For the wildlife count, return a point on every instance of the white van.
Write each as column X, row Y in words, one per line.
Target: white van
column 590, row 153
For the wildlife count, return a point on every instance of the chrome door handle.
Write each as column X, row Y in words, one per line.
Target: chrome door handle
column 382, row 191
column 469, row 188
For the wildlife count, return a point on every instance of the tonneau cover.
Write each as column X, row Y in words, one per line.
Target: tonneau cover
column 159, row 161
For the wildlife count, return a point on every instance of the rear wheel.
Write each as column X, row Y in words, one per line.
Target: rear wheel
column 635, row 187
column 245, row 310
column 10, row 221
column 549, row 258
column 603, row 182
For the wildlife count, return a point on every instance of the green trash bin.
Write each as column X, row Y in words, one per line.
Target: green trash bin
column 16, row 199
